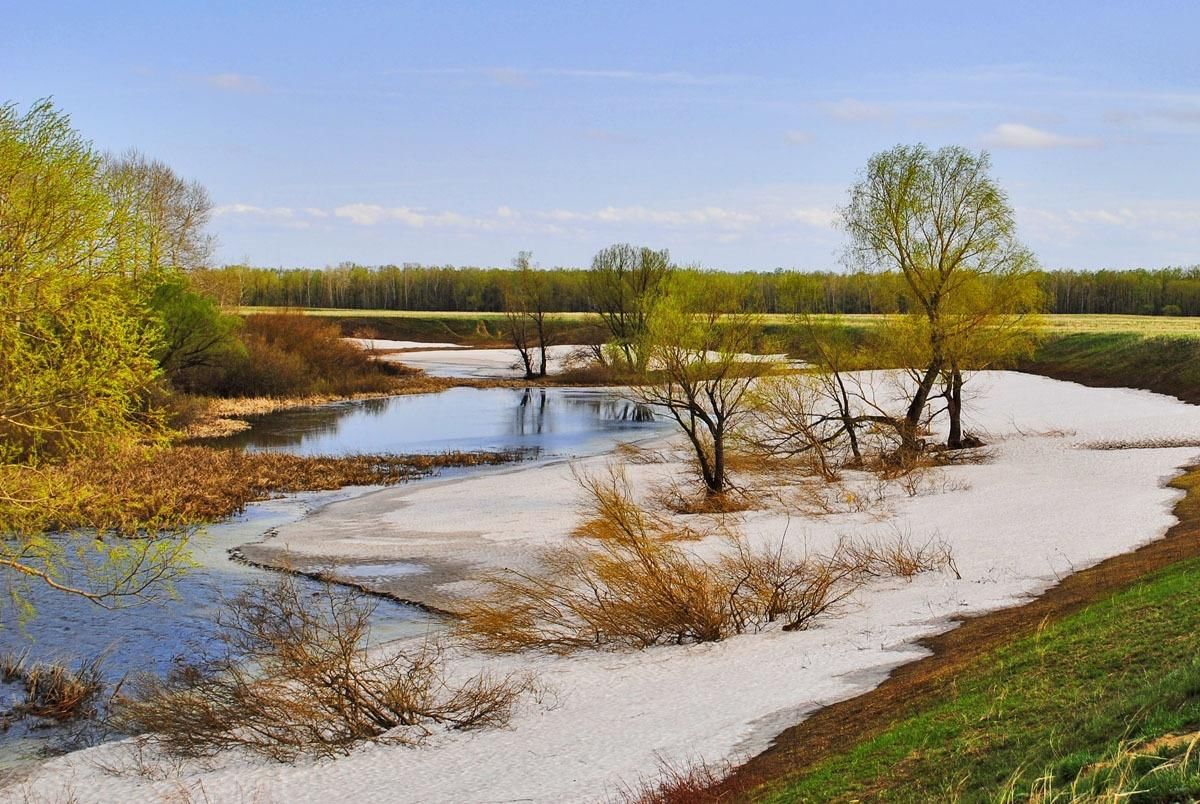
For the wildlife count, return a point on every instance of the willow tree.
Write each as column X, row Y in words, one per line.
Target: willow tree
column 624, row 285
column 77, row 370
column 699, row 347
column 941, row 222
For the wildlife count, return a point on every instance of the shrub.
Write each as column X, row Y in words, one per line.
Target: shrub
column 290, row 354
column 293, row 676
column 627, row 584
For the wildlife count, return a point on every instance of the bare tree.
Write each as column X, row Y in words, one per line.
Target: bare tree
column 526, row 306
column 940, row 220
column 168, row 214
column 624, row 285
column 703, row 368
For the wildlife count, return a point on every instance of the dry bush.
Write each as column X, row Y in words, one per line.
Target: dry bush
column 614, row 515
column 293, row 676
column 818, row 497
column 900, row 557
column 627, row 586
column 632, row 453
column 679, row 498
column 52, row 690
column 767, row 584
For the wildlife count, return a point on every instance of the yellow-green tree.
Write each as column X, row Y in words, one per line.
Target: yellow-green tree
column 699, row 347
column 77, row 371
column 943, row 223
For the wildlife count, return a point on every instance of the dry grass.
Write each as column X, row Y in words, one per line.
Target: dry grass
column 691, row 782
column 121, row 491
column 630, row 585
column 53, row 691
column 1166, row 769
column 293, row 676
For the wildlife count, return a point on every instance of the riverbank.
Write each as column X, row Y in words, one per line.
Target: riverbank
column 192, row 485
column 1090, row 687
column 1049, row 501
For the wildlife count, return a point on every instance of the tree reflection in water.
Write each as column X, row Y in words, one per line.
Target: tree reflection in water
column 546, row 419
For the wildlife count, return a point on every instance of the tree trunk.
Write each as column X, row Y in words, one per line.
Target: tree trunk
column 916, row 409
column 954, row 408
column 716, row 485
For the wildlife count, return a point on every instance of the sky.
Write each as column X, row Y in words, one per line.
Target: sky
column 729, row 133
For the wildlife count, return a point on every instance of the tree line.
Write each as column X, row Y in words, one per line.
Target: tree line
column 1163, row 291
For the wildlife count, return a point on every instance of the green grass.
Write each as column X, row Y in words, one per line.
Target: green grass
column 1045, row 711
column 1165, row 363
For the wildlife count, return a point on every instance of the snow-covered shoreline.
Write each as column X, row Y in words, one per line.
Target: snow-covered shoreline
column 1043, row 506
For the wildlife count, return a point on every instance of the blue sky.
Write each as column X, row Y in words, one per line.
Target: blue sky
column 728, row 132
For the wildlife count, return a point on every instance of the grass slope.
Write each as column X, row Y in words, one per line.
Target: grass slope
column 1093, row 700
column 1165, row 363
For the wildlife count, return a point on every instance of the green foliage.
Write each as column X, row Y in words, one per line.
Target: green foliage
column 196, row 336
column 78, row 374
column 1166, row 291
column 76, row 361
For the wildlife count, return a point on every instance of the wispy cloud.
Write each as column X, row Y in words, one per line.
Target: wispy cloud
column 1018, row 135
column 713, row 219
column 798, row 137
column 856, row 111
column 277, row 216
column 233, row 82
column 521, row 76
column 414, row 217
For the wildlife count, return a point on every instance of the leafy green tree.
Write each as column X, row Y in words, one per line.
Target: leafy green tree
column 624, row 285
column 941, row 222
column 196, row 335
column 699, row 346
column 77, row 367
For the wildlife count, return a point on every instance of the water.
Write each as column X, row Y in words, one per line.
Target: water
column 556, row 421
column 553, row 421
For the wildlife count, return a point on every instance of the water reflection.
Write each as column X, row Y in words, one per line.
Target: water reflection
column 556, row 421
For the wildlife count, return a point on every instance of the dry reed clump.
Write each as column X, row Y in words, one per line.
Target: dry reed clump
column 629, row 586
column 691, row 782
column 52, row 691
column 294, row 676
column 121, row 491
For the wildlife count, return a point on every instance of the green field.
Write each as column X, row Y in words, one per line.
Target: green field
column 1056, row 324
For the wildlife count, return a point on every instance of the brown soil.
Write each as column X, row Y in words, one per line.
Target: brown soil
column 839, row 727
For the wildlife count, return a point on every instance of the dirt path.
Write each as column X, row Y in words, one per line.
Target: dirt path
column 841, row 726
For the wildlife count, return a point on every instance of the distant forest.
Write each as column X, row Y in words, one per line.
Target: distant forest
column 1166, row 291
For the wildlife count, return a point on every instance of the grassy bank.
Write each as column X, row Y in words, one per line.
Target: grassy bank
column 1091, row 690
column 1164, row 363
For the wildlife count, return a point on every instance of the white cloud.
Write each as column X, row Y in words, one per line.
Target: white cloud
column 1176, row 221
column 1018, row 135
column 856, row 111
column 713, row 218
column 250, row 209
column 234, row 82
column 798, row 137
column 416, row 218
